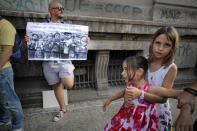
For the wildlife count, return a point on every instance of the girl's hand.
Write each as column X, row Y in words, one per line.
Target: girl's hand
column 132, row 93
column 127, row 99
column 26, row 38
column 106, row 104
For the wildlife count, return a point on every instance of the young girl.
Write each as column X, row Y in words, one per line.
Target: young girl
column 162, row 72
column 140, row 116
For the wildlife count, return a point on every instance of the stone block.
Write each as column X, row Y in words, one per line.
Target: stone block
column 135, row 10
column 174, row 14
column 192, row 3
column 49, row 99
column 38, row 6
column 186, row 54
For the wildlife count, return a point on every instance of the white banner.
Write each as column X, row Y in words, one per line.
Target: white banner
column 57, row 41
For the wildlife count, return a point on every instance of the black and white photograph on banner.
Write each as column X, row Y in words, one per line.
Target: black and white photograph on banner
column 56, row 41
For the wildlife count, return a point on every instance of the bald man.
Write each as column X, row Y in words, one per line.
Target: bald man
column 64, row 75
column 58, row 72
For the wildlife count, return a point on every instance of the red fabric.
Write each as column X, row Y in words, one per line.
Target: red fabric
column 140, row 117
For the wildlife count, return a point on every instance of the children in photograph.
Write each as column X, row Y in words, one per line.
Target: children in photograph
column 162, row 71
column 140, row 116
column 48, row 46
column 32, row 45
column 39, row 49
column 56, row 47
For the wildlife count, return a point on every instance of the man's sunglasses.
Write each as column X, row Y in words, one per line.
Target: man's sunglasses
column 59, row 8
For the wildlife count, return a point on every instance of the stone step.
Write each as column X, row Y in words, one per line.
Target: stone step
column 32, row 100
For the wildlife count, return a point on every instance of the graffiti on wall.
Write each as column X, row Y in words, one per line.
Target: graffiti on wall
column 26, row 5
column 102, row 7
column 185, row 50
column 177, row 14
column 80, row 7
column 170, row 13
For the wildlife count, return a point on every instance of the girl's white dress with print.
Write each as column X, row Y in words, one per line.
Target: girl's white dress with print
column 164, row 117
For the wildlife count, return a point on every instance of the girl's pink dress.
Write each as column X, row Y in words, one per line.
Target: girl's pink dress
column 141, row 116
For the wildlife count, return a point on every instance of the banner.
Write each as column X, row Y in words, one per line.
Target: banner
column 57, row 41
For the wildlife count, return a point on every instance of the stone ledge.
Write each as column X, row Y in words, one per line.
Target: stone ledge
column 36, row 15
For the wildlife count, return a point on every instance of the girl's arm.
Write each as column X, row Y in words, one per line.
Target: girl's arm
column 162, row 94
column 113, row 98
column 117, row 96
column 168, row 83
column 152, row 95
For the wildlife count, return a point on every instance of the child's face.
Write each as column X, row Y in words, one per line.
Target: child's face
column 124, row 72
column 49, row 37
column 57, row 36
column 34, row 37
column 161, row 46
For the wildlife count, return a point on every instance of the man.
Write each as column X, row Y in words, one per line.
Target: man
column 186, row 101
column 10, row 106
column 58, row 72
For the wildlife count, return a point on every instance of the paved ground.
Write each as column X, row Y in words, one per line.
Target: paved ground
column 85, row 109
column 82, row 116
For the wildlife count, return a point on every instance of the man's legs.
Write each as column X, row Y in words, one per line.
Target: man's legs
column 8, row 98
column 56, row 74
column 68, row 82
column 59, row 92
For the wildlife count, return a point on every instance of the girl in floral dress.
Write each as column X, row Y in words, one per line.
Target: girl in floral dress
column 140, row 116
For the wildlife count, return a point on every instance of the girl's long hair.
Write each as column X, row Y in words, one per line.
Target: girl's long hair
column 173, row 36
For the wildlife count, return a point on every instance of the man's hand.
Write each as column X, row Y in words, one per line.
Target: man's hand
column 88, row 40
column 26, row 38
column 106, row 104
column 184, row 120
column 186, row 98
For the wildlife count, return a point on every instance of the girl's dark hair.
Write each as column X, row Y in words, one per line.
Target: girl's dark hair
column 134, row 63
column 173, row 36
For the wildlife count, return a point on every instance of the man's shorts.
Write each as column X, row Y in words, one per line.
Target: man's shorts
column 55, row 71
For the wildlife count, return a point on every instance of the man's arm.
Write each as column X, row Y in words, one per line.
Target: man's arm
column 5, row 55
column 184, row 120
